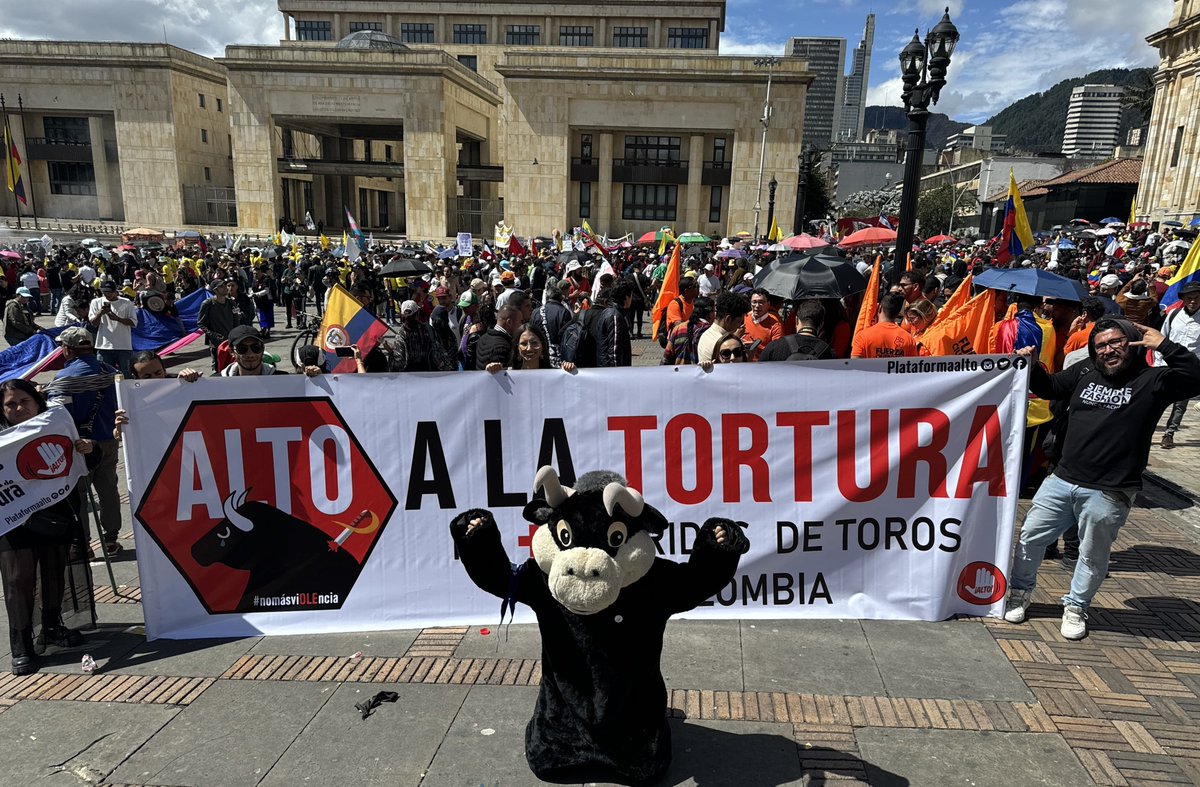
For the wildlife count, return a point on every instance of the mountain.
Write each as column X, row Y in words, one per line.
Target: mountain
column 939, row 130
column 1035, row 124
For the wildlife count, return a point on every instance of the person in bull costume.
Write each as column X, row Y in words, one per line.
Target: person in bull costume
column 602, row 599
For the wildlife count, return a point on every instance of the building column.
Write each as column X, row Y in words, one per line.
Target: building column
column 104, row 202
column 657, row 43
column 602, row 32
column 602, row 202
column 287, row 28
column 259, row 201
column 692, row 216
column 430, row 166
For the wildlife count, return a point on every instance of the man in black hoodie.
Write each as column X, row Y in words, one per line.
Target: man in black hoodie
column 1116, row 399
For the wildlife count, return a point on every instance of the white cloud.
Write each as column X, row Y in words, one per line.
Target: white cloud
column 732, row 46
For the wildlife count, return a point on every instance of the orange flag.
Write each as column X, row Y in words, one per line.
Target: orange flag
column 965, row 332
column 955, row 301
column 668, row 292
column 908, row 266
column 870, row 303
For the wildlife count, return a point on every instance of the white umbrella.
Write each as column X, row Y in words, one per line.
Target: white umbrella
column 981, row 243
column 1106, row 231
column 1177, row 244
column 779, row 247
column 98, row 252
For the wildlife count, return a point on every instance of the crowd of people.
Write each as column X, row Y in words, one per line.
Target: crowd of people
column 544, row 308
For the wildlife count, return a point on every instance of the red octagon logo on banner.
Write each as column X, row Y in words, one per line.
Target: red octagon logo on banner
column 266, row 505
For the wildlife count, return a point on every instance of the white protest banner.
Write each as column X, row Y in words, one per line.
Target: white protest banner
column 869, row 489
column 38, row 465
column 465, row 249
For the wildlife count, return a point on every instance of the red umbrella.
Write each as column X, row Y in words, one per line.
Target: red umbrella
column 653, row 236
column 804, row 241
column 936, row 239
column 12, row 255
column 870, row 236
column 127, row 247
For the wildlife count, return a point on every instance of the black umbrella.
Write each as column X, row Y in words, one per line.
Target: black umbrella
column 810, row 276
column 574, row 255
column 406, row 266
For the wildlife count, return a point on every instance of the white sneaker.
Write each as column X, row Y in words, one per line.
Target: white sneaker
column 1074, row 622
column 1018, row 602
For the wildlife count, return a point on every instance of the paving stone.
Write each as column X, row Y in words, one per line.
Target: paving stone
column 371, row 643
column 232, row 735
column 703, row 653
column 520, row 641
column 486, row 743
column 106, row 642
column 943, row 757
column 394, row 746
column 45, row 739
column 207, row 658
column 942, row 661
column 809, row 657
column 123, row 614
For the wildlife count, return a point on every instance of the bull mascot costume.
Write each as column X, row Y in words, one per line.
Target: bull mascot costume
column 602, row 598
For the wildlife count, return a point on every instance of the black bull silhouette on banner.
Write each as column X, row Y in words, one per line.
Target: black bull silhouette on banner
column 285, row 556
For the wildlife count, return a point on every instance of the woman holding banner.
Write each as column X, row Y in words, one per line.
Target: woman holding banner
column 40, row 546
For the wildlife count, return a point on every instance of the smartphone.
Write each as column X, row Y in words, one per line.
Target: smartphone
column 344, row 352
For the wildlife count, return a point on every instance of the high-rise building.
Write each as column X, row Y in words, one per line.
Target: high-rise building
column 854, row 94
column 1093, row 121
column 822, row 108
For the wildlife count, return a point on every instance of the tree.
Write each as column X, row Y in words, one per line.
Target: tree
column 1139, row 96
column 817, row 204
column 936, row 206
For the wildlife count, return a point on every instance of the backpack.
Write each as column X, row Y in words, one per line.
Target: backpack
column 662, row 325
column 577, row 344
column 803, row 350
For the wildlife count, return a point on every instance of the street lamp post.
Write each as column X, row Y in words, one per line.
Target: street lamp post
column 774, row 184
column 923, row 70
column 801, row 191
column 768, row 63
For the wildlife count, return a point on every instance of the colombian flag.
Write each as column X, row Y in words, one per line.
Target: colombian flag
column 15, row 184
column 347, row 322
column 1015, row 238
column 1188, row 271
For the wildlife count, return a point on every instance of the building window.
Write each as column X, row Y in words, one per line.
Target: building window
column 576, row 35
column 289, row 143
column 719, row 150
column 649, row 201
column 470, row 61
column 384, row 206
column 204, row 135
column 631, row 37
column 387, row 152
column 313, row 30
column 470, row 34
column 416, row 32
column 67, row 131
column 72, row 179
column 207, row 175
column 357, row 26
column 364, row 218
column 1178, row 147
column 218, row 105
column 687, row 37
column 308, row 196
column 585, row 148
column 585, row 200
column 367, row 152
column 201, row 100
column 523, row 35
column 661, row 151
column 714, row 205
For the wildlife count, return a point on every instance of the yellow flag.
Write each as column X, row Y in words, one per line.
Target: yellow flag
column 345, row 240
column 774, row 234
column 666, row 236
column 1133, row 210
column 324, row 242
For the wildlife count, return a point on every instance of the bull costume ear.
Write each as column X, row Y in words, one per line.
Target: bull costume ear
column 548, row 494
column 631, row 503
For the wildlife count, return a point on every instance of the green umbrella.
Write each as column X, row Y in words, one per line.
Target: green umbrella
column 693, row 237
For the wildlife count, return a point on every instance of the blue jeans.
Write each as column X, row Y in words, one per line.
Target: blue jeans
column 1056, row 507
column 117, row 358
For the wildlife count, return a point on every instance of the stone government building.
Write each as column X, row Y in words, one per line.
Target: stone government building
column 423, row 118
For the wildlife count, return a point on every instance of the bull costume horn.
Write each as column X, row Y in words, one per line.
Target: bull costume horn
column 629, row 500
column 546, row 481
column 233, row 515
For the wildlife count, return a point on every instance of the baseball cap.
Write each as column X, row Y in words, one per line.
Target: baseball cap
column 708, row 267
column 1110, row 280
column 242, row 332
column 478, row 284
column 441, row 292
column 1190, row 288
column 75, row 337
column 573, row 265
column 409, row 307
column 508, row 276
column 467, row 300
column 689, row 274
column 24, row 292
column 311, row 355
column 108, row 285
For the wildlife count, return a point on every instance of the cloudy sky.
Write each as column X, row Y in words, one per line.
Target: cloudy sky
column 1009, row 48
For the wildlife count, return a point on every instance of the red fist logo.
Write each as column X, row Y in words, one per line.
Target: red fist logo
column 982, row 584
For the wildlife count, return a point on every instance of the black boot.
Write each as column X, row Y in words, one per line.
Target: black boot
column 55, row 633
column 24, row 660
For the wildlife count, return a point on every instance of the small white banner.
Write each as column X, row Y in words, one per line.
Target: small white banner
column 39, row 465
column 869, row 489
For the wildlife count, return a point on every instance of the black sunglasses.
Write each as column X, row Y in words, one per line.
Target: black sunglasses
column 249, row 348
column 737, row 352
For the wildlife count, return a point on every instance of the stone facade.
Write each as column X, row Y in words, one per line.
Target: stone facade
column 1170, row 183
column 129, row 115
